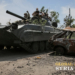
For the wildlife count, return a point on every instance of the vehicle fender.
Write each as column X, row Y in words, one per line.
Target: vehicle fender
column 60, row 46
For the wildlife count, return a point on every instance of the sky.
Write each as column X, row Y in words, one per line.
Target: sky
column 21, row 6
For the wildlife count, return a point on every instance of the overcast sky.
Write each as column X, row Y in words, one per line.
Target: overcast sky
column 21, row 6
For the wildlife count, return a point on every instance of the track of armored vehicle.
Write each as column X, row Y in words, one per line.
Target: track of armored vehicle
column 31, row 37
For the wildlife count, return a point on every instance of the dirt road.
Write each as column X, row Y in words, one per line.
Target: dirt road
column 19, row 62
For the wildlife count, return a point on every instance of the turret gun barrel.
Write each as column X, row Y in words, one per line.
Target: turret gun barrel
column 15, row 15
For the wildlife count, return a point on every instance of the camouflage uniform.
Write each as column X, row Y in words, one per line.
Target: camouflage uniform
column 36, row 13
column 28, row 15
column 25, row 15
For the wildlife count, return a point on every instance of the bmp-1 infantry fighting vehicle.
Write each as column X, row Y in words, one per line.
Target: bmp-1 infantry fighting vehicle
column 31, row 37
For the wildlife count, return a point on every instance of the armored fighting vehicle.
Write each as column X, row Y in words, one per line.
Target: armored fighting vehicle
column 31, row 37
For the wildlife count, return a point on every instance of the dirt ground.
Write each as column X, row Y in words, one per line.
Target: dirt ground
column 19, row 62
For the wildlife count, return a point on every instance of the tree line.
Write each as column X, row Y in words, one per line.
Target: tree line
column 68, row 20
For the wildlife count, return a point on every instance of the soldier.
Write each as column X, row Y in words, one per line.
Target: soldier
column 28, row 15
column 43, row 14
column 50, row 18
column 46, row 15
column 25, row 15
column 36, row 13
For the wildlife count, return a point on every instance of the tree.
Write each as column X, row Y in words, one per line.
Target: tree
column 62, row 26
column 44, row 10
column 54, row 16
column 68, row 21
column 73, row 26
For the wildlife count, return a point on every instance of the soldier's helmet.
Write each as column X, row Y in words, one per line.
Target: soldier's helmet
column 36, row 9
column 25, row 13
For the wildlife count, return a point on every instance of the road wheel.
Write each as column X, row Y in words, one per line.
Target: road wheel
column 47, row 46
column 1, row 47
column 31, row 47
column 42, row 46
column 59, row 50
column 35, row 47
column 8, row 47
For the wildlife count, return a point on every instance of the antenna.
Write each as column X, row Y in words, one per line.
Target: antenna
column 70, row 17
column 69, row 12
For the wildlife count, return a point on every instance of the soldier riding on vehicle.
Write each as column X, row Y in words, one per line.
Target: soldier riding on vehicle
column 25, row 15
column 28, row 15
column 36, row 13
